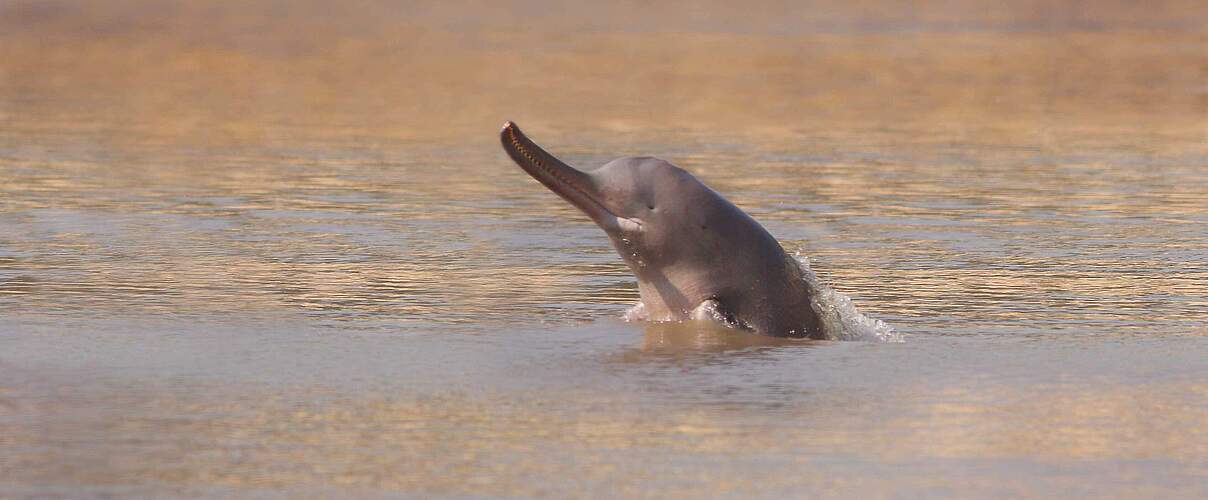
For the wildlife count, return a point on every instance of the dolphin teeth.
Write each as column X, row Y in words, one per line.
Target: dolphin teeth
column 531, row 157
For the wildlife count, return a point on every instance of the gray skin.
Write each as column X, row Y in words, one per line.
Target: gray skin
column 695, row 254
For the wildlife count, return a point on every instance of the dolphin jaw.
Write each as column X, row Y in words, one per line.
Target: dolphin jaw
column 620, row 224
column 630, row 225
column 564, row 180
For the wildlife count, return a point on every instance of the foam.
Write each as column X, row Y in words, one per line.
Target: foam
column 840, row 319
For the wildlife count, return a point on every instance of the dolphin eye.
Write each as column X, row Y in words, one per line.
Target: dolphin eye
column 651, row 207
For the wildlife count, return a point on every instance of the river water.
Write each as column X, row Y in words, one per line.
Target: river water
column 274, row 249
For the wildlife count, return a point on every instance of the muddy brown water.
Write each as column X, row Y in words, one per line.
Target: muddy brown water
column 273, row 249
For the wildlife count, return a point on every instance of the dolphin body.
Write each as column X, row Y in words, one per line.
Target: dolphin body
column 695, row 254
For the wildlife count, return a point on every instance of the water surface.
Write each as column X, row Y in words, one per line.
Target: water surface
column 277, row 251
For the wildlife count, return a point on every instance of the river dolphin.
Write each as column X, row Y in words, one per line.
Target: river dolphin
column 695, row 254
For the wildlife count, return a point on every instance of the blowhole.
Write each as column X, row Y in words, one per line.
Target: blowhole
column 651, row 207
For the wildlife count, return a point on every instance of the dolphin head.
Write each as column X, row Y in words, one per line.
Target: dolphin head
column 695, row 255
column 654, row 212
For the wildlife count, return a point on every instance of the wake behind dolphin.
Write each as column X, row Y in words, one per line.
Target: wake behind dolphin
column 695, row 254
column 840, row 319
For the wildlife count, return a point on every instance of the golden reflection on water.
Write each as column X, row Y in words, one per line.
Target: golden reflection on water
column 197, row 75
column 1008, row 173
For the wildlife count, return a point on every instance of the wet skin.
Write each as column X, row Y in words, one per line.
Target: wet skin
column 695, row 254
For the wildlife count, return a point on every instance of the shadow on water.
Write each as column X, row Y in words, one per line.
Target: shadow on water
column 688, row 340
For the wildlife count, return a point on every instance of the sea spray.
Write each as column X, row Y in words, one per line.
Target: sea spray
column 838, row 318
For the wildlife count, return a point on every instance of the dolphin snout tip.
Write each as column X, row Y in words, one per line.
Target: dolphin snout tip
column 507, row 125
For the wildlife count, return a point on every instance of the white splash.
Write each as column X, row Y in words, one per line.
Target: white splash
column 840, row 319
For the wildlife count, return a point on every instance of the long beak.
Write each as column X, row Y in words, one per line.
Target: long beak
column 572, row 185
